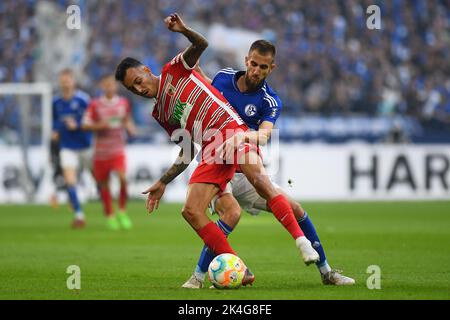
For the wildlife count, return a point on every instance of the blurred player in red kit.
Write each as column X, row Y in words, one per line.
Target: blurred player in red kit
column 108, row 116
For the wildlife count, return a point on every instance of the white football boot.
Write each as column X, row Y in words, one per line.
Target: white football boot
column 193, row 283
column 334, row 277
column 309, row 254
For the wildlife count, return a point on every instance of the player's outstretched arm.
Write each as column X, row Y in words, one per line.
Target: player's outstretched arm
column 198, row 42
column 95, row 126
column 130, row 126
column 156, row 191
column 55, row 136
column 181, row 163
column 260, row 137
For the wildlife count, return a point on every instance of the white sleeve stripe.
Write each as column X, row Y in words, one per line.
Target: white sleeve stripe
column 227, row 72
column 265, row 91
column 185, row 65
column 269, row 96
column 223, row 72
column 274, row 102
column 270, row 102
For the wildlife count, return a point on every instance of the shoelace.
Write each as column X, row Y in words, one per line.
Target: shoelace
column 331, row 273
column 337, row 271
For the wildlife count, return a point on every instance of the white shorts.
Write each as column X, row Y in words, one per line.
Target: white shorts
column 76, row 159
column 245, row 194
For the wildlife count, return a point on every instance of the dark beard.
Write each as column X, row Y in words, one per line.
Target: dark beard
column 251, row 86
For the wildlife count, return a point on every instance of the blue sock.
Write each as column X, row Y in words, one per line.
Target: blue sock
column 207, row 254
column 307, row 226
column 73, row 198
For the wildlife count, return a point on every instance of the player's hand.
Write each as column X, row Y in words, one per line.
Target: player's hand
column 132, row 131
column 103, row 125
column 174, row 23
column 55, row 136
column 227, row 149
column 71, row 124
column 155, row 193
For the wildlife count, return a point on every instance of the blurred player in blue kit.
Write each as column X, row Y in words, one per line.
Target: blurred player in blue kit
column 259, row 107
column 75, row 153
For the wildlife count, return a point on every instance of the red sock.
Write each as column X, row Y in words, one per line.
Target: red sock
column 215, row 239
column 107, row 201
column 123, row 196
column 283, row 212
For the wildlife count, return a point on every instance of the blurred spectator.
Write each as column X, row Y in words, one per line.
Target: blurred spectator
column 17, row 41
column 396, row 135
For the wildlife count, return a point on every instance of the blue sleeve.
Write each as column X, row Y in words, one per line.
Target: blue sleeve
column 85, row 98
column 221, row 76
column 214, row 81
column 271, row 109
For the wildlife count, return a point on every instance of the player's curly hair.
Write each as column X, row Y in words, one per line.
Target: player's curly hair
column 124, row 65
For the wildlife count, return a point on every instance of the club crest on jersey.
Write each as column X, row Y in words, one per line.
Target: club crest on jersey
column 170, row 90
column 250, row 110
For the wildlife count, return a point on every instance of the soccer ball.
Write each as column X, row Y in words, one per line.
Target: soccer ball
column 226, row 271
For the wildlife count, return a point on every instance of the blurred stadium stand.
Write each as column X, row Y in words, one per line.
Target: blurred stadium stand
column 339, row 81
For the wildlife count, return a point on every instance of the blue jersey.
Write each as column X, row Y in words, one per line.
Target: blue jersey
column 254, row 107
column 73, row 108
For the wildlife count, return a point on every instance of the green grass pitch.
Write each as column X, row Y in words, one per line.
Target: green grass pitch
column 409, row 241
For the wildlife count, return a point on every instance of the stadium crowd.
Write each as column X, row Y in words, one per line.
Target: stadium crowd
column 329, row 62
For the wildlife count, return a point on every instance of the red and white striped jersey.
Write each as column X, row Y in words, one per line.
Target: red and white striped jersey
column 186, row 101
column 111, row 142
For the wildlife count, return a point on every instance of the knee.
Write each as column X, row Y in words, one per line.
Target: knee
column 189, row 213
column 103, row 184
column 122, row 179
column 231, row 216
column 263, row 186
column 70, row 181
column 258, row 181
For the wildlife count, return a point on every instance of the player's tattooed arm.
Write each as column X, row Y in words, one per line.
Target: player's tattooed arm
column 198, row 42
column 156, row 191
column 173, row 172
column 181, row 163
column 195, row 50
